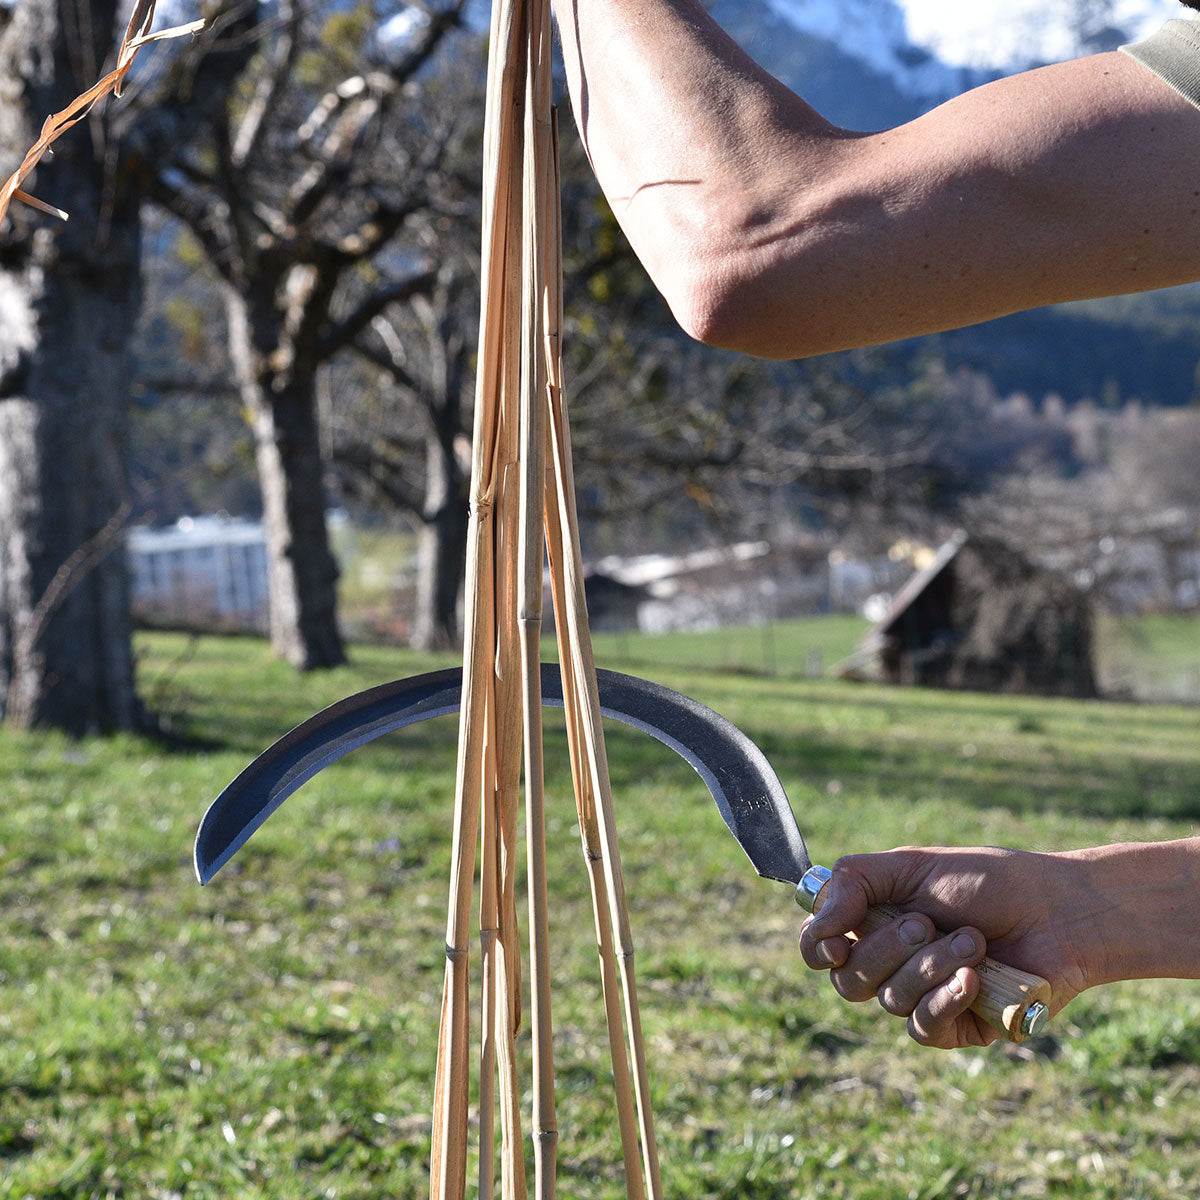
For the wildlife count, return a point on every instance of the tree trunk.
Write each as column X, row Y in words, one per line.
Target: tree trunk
column 442, row 550
column 302, row 571
column 68, row 299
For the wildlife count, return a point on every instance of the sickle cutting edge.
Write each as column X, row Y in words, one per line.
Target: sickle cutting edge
column 743, row 784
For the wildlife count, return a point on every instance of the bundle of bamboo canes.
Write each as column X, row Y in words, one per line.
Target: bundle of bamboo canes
column 523, row 511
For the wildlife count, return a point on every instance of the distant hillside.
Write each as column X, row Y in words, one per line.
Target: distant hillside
column 1134, row 347
column 839, row 85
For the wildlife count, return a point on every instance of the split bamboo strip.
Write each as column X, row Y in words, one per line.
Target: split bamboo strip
column 489, row 950
column 448, row 1159
column 137, row 34
column 450, row 1116
column 577, row 647
column 579, row 674
column 538, row 168
column 576, row 650
column 594, row 859
column 559, row 542
column 510, row 733
column 500, row 334
column 510, row 738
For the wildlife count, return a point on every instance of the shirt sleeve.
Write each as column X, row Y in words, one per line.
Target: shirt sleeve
column 1173, row 54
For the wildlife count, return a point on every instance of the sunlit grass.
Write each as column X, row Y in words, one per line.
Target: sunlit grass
column 274, row 1035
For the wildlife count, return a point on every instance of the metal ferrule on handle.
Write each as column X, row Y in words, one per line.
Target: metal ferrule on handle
column 1013, row 1002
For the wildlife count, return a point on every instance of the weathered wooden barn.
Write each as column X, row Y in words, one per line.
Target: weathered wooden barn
column 984, row 617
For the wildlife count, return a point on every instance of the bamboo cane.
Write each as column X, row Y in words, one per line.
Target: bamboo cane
column 448, row 1151
column 577, row 649
column 535, row 358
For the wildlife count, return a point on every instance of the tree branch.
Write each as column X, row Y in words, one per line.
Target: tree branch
column 283, row 58
column 202, row 213
column 342, row 333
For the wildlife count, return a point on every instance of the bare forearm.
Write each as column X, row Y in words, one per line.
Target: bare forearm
column 702, row 154
column 771, row 231
column 1140, row 903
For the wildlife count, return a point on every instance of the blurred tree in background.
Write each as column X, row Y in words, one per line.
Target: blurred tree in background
column 305, row 192
column 69, row 296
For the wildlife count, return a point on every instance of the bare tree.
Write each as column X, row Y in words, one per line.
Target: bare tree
column 288, row 196
column 404, row 448
column 69, row 295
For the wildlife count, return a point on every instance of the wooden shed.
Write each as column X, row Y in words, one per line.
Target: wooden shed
column 983, row 616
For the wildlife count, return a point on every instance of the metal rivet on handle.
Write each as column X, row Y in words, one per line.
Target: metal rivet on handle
column 1034, row 1021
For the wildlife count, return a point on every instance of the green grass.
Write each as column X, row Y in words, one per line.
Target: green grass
column 805, row 648
column 1152, row 657
column 274, row 1035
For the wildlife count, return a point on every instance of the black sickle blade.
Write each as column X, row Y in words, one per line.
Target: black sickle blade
column 746, row 789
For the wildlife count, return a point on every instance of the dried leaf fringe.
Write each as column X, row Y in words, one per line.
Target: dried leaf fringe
column 137, row 35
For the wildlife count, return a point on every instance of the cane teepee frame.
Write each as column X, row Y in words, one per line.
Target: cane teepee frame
column 523, row 511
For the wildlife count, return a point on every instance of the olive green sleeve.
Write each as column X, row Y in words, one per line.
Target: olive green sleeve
column 1173, row 54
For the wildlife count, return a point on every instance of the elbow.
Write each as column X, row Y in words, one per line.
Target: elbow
column 715, row 311
column 800, row 273
column 769, row 297
column 731, row 308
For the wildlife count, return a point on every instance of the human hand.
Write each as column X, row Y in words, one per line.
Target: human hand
column 959, row 905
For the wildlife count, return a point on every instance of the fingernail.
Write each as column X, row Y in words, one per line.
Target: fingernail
column 963, row 945
column 954, row 985
column 824, row 954
column 912, row 933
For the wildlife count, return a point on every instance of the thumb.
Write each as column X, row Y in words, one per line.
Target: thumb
column 858, row 882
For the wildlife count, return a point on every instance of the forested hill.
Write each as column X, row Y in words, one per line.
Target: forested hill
column 1143, row 347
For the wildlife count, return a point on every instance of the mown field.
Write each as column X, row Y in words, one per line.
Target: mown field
column 273, row 1035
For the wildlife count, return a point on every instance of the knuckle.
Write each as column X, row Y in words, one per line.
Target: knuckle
column 932, row 969
column 850, row 986
column 848, row 866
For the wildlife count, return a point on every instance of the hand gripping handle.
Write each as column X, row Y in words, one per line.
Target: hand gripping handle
column 1015, row 1003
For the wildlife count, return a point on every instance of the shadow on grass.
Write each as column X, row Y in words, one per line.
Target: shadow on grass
column 1081, row 784
column 1052, row 777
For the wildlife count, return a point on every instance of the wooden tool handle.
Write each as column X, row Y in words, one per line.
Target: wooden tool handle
column 1013, row 1002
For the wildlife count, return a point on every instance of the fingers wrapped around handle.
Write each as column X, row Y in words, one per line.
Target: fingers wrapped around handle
column 1014, row 1002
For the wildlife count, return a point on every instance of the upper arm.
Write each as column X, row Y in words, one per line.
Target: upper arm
column 1068, row 182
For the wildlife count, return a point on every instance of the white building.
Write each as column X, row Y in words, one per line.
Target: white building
column 201, row 572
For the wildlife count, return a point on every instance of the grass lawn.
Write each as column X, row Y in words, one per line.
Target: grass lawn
column 1153, row 657
column 274, row 1035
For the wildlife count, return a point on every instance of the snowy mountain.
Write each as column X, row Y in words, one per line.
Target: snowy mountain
column 866, row 63
column 901, row 56
column 1023, row 33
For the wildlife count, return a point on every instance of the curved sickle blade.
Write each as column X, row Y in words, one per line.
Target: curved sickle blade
column 746, row 789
